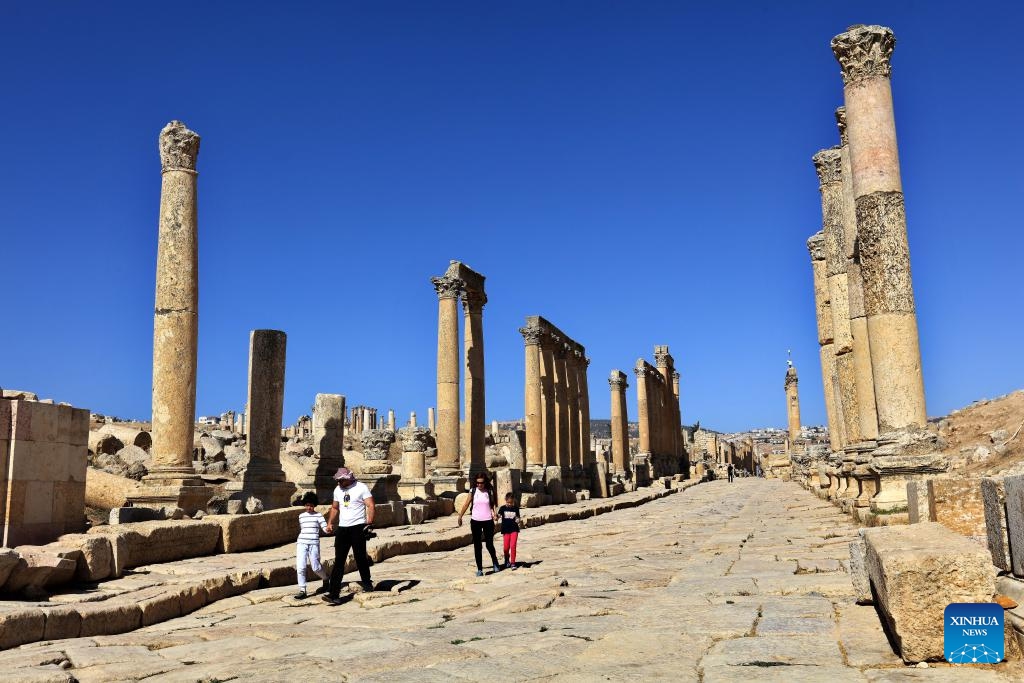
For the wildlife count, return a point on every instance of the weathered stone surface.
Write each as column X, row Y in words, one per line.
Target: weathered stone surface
column 859, row 572
column 957, row 505
column 915, row 572
column 994, row 499
column 240, row 533
column 1014, row 488
column 21, row 626
column 150, row 542
column 8, row 561
column 95, row 558
column 106, row 491
column 39, row 567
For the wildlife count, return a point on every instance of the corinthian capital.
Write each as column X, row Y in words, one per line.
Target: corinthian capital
column 816, row 246
column 864, row 52
column 828, row 164
column 662, row 358
column 531, row 335
column 473, row 300
column 841, row 122
column 447, row 287
column 179, row 148
column 617, row 380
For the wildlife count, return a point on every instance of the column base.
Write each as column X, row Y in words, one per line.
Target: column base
column 161, row 490
column 412, row 488
column 273, row 494
column 448, row 483
column 384, row 486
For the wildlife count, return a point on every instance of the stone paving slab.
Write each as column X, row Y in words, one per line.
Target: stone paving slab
column 642, row 594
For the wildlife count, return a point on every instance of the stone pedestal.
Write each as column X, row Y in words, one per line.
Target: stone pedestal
column 642, row 469
column 383, row 486
column 599, row 479
column 894, row 471
column 448, row 483
column 867, row 481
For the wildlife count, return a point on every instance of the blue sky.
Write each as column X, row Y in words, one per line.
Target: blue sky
column 638, row 173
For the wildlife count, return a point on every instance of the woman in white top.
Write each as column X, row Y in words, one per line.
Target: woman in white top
column 481, row 521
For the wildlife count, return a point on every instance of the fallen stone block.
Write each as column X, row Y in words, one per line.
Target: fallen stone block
column 994, row 499
column 1014, row 487
column 94, row 559
column 62, row 621
column 240, row 533
column 130, row 515
column 108, row 617
column 859, row 572
column 105, row 491
column 143, row 543
column 38, row 568
column 8, row 561
column 21, row 626
column 915, row 572
column 417, row 513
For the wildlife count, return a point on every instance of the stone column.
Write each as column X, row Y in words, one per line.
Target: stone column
column 328, row 445
column 171, row 479
column 534, row 408
column 584, row 400
column 620, row 424
column 412, row 419
column 792, row 407
column 823, row 309
column 666, row 368
column 431, row 424
column 391, row 419
column 572, row 394
column 263, row 476
column 562, row 448
column 414, row 483
column 828, row 164
column 447, row 428
column 549, row 416
column 864, row 53
column 858, row 320
column 476, row 424
column 643, row 408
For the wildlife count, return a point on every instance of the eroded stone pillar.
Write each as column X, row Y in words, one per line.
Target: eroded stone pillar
column 562, row 448
column 792, row 407
column 572, row 394
column 620, row 424
column 858, row 320
column 431, row 424
column 328, row 444
column 171, row 479
column 864, row 53
column 588, row 452
column 534, row 407
column 263, row 476
column 666, row 368
column 476, row 423
column 391, row 419
column 823, row 311
column 828, row 164
column 448, row 358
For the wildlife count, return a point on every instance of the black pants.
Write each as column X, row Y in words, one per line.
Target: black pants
column 730, row 476
column 347, row 537
column 483, row 531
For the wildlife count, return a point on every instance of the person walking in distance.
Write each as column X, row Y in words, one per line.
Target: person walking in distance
column 481, row 521
column 510, row 521
column 353, row 510
column 307, row 547
column 732, row 471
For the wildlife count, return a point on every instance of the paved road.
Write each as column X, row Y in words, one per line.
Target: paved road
column 723, row 582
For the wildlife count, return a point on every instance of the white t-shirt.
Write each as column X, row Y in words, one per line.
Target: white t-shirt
column 351, row 505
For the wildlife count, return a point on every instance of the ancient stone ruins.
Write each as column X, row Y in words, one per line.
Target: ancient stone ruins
column 161, row 550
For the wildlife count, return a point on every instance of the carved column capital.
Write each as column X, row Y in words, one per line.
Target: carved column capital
column 841, row 123
column 816, row 246
column 617, row 380
column 447, row 287
column 641, row 368
column 531, row 335
column 864, row 52
column 473, row 300
column 828, row 164
column 662, row 358
column 179, row 148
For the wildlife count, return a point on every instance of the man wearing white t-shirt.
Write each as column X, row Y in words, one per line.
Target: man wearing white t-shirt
column 353, row 510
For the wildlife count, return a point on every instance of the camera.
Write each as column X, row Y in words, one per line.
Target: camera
column 369, row 533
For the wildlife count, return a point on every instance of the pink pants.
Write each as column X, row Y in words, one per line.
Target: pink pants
column 509, row 541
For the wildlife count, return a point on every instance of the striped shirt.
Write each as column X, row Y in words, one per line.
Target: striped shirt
column 310, row 524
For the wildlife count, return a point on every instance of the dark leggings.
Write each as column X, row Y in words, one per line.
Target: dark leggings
column 483, row 531
column 347, row 537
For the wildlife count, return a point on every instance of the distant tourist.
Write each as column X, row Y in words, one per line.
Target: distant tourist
column 510, row 521
column 732, row 471
column 481, row 521
column 307, row 547
column 353, row 510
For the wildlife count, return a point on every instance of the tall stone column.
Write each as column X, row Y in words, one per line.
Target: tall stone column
column 858, row 320
column 666, row 368
column 643, row 407
column 447, row 428
column 431, row 424
column 562, row 448
column 549, row 416
column 828, row 164
column 864, row 54
column 792, row 406
column 476, row 423
column 172, row 479
column 391, row 419
column 572, row 395
column 328, row 444
column 823, row 311
column 534, row 408
column 620, row 423
column 587, row 450
column 263, row 476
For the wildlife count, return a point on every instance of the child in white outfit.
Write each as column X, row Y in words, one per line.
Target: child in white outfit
column 307, row 548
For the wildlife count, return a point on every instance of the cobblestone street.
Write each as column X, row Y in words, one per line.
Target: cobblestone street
column 721, row 582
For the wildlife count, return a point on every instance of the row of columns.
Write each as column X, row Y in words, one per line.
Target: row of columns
column 867, row 323
column 460, row 281
column 557, row 398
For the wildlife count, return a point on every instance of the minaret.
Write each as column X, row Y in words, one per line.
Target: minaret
column 792, row 405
